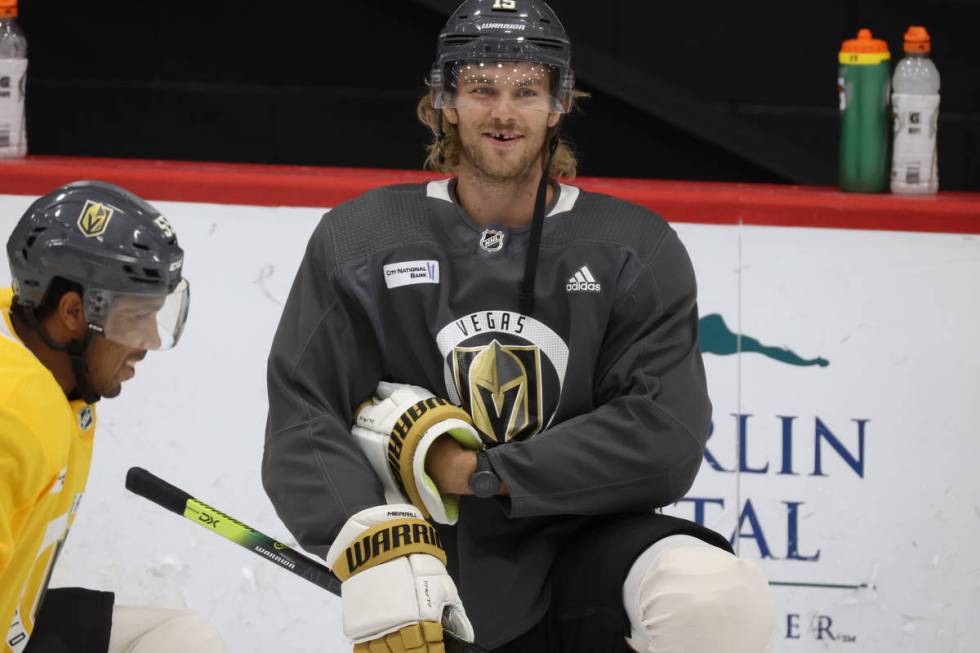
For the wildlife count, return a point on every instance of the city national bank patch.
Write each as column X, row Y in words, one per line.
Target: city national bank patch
column 411, row 272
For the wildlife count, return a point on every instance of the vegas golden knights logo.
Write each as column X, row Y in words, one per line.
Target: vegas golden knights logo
column 94, row 219
column 500, row 387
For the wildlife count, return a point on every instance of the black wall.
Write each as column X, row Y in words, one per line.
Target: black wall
column 682, row 90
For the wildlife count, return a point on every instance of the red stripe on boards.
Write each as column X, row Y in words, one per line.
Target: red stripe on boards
column 678, row 201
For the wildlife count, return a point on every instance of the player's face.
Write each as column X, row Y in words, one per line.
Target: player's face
column 109, row 364
column 503, row 119
column 131, row 329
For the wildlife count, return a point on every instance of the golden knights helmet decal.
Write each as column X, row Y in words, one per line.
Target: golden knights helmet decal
column 500, row 385
column 506, row 370
column 94, row 219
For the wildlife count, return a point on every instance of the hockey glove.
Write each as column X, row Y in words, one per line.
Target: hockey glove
column 397, row 595
column 395, row 430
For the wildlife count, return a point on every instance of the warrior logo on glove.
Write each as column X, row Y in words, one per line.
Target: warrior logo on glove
column 506, row 370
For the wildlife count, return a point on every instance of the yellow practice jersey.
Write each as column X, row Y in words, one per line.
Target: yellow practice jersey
column 45, row 451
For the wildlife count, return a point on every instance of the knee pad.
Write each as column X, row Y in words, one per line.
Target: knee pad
column 192, row 632
column 138, row 629
column 685, row 596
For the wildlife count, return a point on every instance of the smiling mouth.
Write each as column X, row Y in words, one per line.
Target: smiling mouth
column 503, row 137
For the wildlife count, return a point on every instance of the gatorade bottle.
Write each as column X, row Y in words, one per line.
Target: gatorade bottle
column 13, row 72
column 862, row 84
column 915, row 104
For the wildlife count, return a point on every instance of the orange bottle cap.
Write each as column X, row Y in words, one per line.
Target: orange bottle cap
column 865, row 50
column 917, row 39
column 864, row 44
column 8, row 8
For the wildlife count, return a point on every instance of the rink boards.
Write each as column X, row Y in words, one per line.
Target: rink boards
column 842, row 366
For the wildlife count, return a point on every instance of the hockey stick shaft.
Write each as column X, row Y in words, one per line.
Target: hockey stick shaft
column 140, row 481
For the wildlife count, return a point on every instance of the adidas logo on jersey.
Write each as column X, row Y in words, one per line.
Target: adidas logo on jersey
column 583, row 281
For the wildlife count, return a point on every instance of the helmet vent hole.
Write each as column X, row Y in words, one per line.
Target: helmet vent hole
column 547, row 43
column 151, row 273
column 29, row 243
column 141, row 246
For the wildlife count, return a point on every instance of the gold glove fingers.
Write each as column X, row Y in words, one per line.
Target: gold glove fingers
column 424, row 637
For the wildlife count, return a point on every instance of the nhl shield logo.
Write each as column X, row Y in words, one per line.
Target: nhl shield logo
column 85, row 418
column 492, row 240
column 94, row 219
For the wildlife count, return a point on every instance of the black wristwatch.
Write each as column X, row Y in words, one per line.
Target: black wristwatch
column 484, row 482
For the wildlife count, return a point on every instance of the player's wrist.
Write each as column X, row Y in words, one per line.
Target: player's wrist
column 450, row 465
column 465, row 468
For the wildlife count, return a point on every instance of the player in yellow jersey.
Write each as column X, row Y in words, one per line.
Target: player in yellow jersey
column 96, row 285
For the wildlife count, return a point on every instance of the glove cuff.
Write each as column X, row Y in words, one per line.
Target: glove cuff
column 378, row 535
column 407, row 434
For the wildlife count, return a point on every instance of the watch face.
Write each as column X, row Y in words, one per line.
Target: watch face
column 484, row 484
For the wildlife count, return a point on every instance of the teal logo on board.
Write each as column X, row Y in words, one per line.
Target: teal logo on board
column 716, row 338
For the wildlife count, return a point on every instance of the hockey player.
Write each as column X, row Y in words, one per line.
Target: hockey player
column 519, row 361
column 96, row 285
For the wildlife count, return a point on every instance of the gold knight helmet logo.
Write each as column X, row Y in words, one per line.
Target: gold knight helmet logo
column 94, row 219
column 501, row 389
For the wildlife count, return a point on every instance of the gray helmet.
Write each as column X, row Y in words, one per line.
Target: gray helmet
column 499, row 31
column 116, row 246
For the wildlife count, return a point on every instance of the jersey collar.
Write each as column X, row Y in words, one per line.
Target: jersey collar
column 562, row 203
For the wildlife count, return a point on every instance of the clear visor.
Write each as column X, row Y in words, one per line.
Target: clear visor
column 524, row 85
column 139, row 321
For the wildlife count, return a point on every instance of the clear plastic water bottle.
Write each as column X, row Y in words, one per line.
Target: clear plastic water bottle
column 13, row 79
column 915, row 103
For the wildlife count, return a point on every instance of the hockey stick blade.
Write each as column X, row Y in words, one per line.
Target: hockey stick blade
column 147, row 485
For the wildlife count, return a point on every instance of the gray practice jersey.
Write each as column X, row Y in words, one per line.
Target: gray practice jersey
column 595, row 404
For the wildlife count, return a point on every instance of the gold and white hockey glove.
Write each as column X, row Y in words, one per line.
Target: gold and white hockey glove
column 397, row 595
column 395, row 430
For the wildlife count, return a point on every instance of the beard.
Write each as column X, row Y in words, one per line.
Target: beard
column 109, row 390
column 106, row 388
column 515, row 167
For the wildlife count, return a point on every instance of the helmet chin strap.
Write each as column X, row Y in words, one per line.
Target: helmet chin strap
column 526, row 297
column 440, row 139
column 76, row 354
